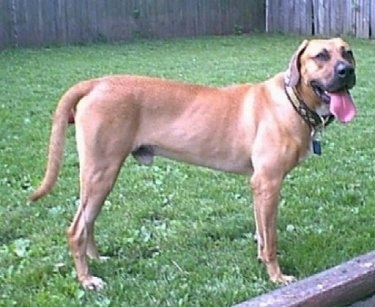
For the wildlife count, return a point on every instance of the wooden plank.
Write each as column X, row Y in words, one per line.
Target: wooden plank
column 284, row 15
column 72, row 28
column 29, row 34
column 267, row 21
column 257, row 13
column 321, row 8
column 335, row 18
column 327, row 8
column 19, row 17
column 60, row 22
column 273, row 15
column 305, row 17
column 290, row 10
column 363, row 18
column 8, row 32
column 292, row 13
column 276, row 16
column 349, row 19
column 316, row 9
column 372, row 19
column 47, row 21
column 188, row 13
column 269, row 16
column 338, row 286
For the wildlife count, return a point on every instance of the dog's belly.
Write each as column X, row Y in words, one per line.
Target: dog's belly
column 214, row 159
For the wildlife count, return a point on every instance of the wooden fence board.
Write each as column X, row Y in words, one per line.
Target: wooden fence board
column 6, row 29
column 275, row 15
column 349, row 20
column 305, row 17
column 322, row 11
column 362, row 21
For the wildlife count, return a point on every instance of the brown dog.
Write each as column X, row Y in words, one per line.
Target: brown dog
column 261, row 130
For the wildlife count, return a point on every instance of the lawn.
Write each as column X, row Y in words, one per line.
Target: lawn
column 177, row 235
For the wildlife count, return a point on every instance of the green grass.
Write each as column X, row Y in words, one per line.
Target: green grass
column 176, row 235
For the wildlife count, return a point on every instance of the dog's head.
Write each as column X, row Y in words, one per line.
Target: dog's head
column 323, row 72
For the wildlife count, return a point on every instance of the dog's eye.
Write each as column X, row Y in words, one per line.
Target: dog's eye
column 348, row 55
column 322, row 56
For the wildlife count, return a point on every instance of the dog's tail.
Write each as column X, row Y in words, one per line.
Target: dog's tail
column 64, row 108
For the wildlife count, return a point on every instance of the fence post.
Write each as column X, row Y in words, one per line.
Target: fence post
column 13, row 13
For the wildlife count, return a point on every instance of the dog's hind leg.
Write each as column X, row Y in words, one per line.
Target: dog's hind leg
column 96, row 183
column 101, row 154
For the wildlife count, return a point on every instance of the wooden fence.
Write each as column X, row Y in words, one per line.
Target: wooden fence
column 322, row 17
column 43, row 22
column 51, row 22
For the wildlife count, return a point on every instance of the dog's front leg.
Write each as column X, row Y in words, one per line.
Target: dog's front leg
column 266, row 186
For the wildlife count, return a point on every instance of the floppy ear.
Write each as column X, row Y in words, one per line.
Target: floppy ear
column 292, row 75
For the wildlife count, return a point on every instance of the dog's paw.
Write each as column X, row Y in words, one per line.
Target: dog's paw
column 283, row 279
column 93, row 283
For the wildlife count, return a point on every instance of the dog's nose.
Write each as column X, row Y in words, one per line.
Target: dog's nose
column 344, row 71
column 345, row 74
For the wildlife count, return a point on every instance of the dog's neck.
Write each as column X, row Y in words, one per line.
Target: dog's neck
column 312, row 119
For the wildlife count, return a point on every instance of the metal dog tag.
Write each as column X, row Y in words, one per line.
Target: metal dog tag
column 317, row 148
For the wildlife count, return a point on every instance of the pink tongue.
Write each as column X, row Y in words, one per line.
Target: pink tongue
column 342, row 106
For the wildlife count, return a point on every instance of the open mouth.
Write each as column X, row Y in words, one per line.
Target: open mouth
column 320, row 92
column 340, row 102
